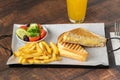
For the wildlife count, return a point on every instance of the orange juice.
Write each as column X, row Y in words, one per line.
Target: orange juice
column 76, row 10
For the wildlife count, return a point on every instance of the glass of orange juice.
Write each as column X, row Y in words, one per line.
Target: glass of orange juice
column 76, row 10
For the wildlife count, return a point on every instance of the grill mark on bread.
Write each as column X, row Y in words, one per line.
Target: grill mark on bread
column 71, row 50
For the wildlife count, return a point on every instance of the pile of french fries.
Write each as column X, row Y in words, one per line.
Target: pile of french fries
column 37, row 53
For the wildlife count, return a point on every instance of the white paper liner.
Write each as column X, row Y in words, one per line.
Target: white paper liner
column 96, row 56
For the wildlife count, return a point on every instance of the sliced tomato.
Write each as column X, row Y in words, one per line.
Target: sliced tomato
column 39, row 25
column 24, row 27
column 32, row 39
column 43, row 33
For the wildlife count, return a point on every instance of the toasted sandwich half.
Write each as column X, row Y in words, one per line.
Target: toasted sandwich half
column 84, row 37
column 71, row 50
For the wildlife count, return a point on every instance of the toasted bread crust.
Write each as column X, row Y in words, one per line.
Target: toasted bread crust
column 71, row 50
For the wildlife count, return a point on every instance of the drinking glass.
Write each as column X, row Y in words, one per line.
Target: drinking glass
column 76, row 10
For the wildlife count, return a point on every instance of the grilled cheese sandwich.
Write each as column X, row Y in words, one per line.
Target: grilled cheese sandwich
column 71, row 50
column 84, row 37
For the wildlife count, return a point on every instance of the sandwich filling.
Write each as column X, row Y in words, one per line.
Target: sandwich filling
column 84, row 37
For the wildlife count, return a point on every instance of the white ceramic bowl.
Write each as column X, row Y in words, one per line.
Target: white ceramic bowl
column 20, row 40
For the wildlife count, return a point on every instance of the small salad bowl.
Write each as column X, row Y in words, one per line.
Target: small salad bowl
column 31, row 33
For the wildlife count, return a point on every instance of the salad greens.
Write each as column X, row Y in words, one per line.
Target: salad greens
column 33, row 30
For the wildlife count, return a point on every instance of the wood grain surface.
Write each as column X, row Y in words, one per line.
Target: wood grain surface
column 52, row 12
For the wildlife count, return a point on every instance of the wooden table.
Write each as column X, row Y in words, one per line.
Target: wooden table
column 52, row 12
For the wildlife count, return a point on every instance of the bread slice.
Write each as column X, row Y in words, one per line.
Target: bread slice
column 84, row 37
column 71, row 50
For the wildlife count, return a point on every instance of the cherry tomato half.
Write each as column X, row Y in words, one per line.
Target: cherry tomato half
column 23, row 27
column 32, row 39
column 43, row 33
column 40, row 27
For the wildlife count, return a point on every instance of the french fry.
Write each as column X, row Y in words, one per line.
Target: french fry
column 20, row 59
column 30, row 60
column 17, row 54
column 54, row 56
column 27, row 46
column 37, row 53
column 28, row 51
column 31, row 55
column 43, row 48
column 31, row 45
column 54, row 47
column 39, row 50
column 23, row 61
column 46, row 46
column 58, row 58
column 37, row 61
column 42, row 57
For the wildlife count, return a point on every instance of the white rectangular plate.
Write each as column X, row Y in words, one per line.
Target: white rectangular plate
column 97, row 56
